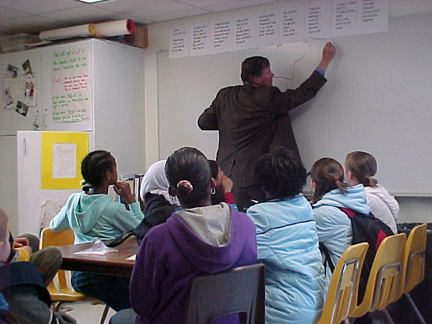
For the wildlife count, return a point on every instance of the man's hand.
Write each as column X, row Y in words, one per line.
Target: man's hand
column 328, row 54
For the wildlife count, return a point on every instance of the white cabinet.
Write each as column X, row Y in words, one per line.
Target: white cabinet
column 114, row 116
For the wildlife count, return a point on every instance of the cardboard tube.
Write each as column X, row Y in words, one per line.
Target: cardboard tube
column 115, row 28
column 69, row 32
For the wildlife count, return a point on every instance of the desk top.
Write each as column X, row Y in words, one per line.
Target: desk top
column 113, row 263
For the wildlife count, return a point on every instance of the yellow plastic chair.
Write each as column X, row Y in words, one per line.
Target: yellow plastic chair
column 385, row 278
column 60, row 288
column 414, row 264
column 342, row 291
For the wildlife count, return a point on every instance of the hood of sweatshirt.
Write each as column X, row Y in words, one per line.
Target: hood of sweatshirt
column 214, row 237
column 86, row 210
column 382, row 193
column 354, row 198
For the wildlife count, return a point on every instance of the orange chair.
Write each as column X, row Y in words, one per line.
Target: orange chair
column 60, row 288
column 341, row 298
column 385, row 278
column 414, row 265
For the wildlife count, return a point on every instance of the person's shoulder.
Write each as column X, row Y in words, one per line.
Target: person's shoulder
column 230, row 89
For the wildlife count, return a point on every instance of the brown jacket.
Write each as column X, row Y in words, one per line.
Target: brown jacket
column 252, row 120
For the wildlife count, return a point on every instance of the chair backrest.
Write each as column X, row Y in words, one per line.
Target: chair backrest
column 52, row 238
column 385, row 278
column 415, row 257
column 60, row 288
column 239, row 290
column 341, row 297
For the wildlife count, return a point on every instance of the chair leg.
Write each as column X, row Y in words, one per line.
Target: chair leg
column 387, row 317
column 104, row 314
column 414, row 308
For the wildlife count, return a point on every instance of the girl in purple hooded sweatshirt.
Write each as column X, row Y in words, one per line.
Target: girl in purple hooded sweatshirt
column 201, row 238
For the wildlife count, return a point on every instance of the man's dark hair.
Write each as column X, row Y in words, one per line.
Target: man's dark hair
column 253, row 67
column 190, row 164
column 281, row 174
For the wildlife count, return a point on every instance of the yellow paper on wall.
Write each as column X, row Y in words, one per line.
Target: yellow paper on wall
column 61, row 156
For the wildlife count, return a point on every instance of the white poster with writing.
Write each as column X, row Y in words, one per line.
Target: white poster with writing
column 293, row 24
column 268, row 29
column 318, row 18
column 345, row 17
column 63, row 160
column 245, row 32
column 373, row 16
column 71, row 84
column 223, row 36
column 291, row 21
column 200, row 38
column 179, row 42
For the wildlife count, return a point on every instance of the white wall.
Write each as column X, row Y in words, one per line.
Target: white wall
column 412, row 208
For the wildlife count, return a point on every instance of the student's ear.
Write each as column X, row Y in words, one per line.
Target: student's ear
column 313, row 185
column 212, row 183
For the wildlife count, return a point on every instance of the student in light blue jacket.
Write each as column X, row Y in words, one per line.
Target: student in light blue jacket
column 331, row 193
column 93, row 215
column 287, row 242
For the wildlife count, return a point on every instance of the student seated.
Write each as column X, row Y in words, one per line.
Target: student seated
column 287, row 241
column 158, row 203
column 201, row 238
column 361, row 167
column 331, row 193
column 222, row 192
column 23, row 294
column 93, row 215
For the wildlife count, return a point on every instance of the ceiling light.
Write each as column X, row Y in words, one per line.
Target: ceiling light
column 91, row 1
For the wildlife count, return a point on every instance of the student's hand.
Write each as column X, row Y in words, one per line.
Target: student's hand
column 328, row 54
column 20, row 242
column 123, row 189
column 226, row 184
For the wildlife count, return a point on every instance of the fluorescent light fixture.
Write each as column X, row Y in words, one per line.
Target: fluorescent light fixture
column 91, row 1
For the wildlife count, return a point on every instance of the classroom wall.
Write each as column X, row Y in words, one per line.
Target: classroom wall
column 412, row 208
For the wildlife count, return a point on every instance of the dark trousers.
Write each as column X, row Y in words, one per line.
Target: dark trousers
column 112, row 290
column 245, row 197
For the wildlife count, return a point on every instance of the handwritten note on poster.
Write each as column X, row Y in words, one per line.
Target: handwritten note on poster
column 71, row 86
column 63, row 160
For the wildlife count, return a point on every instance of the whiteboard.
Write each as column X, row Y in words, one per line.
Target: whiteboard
column 378, row 99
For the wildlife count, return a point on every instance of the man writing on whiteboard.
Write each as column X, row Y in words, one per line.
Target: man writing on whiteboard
column 253, row 117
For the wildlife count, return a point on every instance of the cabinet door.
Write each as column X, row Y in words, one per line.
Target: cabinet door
column 21, row 93
column 31, row 197
column 68, row 86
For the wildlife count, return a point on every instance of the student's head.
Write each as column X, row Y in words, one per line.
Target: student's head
column 98, row 168
column 280, row 174
column 5, row 247
column 155, row 178
column 326, row 174
column 216, row 172
column 360, row 167
column 189, row 176
column 256, row 71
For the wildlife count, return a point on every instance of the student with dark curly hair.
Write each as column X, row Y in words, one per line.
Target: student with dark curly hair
column 287, row 241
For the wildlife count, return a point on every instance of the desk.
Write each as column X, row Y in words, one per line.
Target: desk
column 113, row 263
